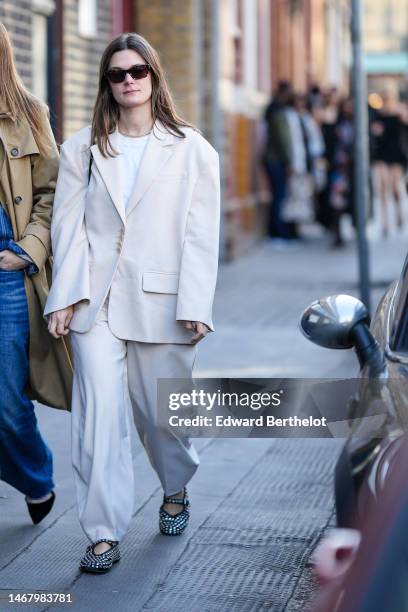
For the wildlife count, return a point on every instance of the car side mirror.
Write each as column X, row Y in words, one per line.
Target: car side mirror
column 329, row 321
column 342, row 322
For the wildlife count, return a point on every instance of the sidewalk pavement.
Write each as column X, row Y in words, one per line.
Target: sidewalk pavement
column 259, row 506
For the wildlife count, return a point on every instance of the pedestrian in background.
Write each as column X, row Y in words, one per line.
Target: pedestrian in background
column 298, row 206
column 314, row 144
column 31, row 362
column 388, row 131
column 326, row 114
column 136, row 254
column 341, row 176
column 277, row 160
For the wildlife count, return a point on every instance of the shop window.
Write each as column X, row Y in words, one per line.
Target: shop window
column 42, row 9
column 87, row 18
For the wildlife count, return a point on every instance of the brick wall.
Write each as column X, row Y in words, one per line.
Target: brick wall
column 173, row 28
column 17, row 17
column 81, row 64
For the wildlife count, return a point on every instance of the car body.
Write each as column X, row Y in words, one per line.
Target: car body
column 368, row 474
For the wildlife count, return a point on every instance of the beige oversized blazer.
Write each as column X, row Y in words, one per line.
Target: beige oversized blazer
column 158, row 258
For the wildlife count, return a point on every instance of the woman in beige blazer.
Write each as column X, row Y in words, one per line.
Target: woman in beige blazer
column 135, row 240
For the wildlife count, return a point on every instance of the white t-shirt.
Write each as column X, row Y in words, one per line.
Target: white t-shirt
column 132, row 149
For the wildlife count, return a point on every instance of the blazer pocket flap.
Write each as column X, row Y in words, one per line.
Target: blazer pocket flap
column 160, row 282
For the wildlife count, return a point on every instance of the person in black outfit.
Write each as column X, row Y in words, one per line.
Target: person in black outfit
column 328, row 115
column 341, row 174
column 277, row 158
column 388, row 132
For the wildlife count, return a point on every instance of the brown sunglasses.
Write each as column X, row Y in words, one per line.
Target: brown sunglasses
column 138, row 71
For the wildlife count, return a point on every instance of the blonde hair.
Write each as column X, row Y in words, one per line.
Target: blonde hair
column 15, row 97
column 106, row 110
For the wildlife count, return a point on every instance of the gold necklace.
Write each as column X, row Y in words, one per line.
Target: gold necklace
column 131, row 135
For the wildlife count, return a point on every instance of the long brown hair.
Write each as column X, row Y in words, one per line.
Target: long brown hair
column 106, row 111
column 16, row 98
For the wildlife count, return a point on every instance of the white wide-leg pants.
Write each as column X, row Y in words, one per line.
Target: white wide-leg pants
column 109, row 371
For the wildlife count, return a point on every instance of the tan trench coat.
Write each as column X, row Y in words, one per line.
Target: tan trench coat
column 27, row 185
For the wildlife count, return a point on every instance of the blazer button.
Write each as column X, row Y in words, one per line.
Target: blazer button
column 14, row 152
column 18, row 199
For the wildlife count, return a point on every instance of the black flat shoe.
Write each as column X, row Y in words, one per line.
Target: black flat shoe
column 170, row 524
column 40, row 511
column 102, row 563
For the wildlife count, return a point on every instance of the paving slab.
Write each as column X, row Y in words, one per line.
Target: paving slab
column 259, row 506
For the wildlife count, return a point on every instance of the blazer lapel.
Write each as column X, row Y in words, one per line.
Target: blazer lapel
column 158, row 150
column 110, row 171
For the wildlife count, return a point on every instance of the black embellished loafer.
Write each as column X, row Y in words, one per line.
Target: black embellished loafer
column 170, row 524
column 40, row 511
column 102, row 563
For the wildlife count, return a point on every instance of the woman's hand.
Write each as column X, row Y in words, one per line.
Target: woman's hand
column 201, row 330
column 11, row 262
column 58, row 322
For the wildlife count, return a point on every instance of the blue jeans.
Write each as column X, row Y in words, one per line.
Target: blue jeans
column 25, row 459
column 278, row 181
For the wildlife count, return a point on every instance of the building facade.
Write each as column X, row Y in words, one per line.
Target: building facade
column 222, row 59
column 58, row 45
column 311, row 42
column 386, row 45
column 20, row 19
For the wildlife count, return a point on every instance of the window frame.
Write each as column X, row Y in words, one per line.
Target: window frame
column 88, row 14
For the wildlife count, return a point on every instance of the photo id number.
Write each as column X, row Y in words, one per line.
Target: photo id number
column 23, row 598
